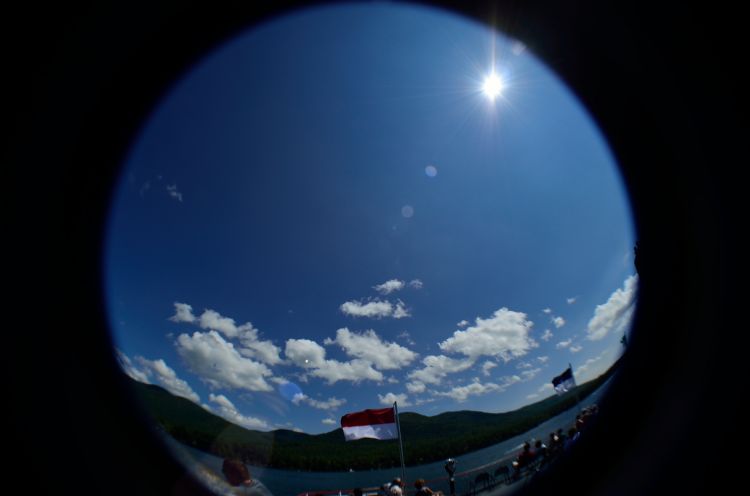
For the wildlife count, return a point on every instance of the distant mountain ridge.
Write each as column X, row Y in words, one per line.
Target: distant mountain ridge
column 430, row 438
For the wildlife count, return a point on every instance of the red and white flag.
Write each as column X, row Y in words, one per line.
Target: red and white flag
column 375, row 424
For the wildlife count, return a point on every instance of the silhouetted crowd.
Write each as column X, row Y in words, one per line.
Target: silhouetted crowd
column 536, row 458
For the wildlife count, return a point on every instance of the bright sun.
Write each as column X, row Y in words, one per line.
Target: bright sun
column 492, row 86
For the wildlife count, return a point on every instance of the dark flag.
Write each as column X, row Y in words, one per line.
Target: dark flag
column 564, row 382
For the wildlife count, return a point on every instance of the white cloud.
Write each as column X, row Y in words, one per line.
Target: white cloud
column 330, row 404
column 415, row 387
column 172, row 190
column 528, row 375
column 558, row 321
column 437, row 367
column 576, row 348
column 158, row 372
column 368, row 346
column 400, row 311
column 212, row 320
column 218, row 363
column 572, row 300
column 390, row 398
column 329, row 421
column 546, row 387
column 547, row 311
column 183, row 313
column 389, row 287
column 462, row 324
column 252, row 346
column 416, row 284
column 131, row 370
column 547, row 335
column 462, row 393
column 311, row 356
column 505, row 335
column 487, row 366
column 564, row 344
column 524, row 365
column 614, row 315
column 225, row 409
column 167, row 377
column 305, row 353
column 375, row 309
column 355, row 371
column 543, row 359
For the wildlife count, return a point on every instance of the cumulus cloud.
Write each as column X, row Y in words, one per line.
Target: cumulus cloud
column 416, row 387
column 547, row 311
column 528, row 375
column 547, row 335
column 416, row 284
column 390, row 398
column 356, row 370
column 330, row 404
column 389, row 287
column 400, row 311
column 462, row 393
column 576, row 348
column 183, row 313
column 310, row 355
column 505, row 335
column 558, row 321
column 251, row 344
column 543, row 359
column 158, row 372
column 305, row 353
column 225, row 409
column 218, row 363
column 375, row 309
column 368, row 346
column 131, row 370
column 572, row 300
column 254, row 347
column 174, row 193
column 211, row 319
column 329, row 421
column 462, row 324
column 436, row 367
column 546, row 387
column 564, row 344
column 487, row 366
column 614, row 315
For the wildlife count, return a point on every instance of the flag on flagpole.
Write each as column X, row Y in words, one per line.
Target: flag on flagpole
column 374, row 424
column 564, row 382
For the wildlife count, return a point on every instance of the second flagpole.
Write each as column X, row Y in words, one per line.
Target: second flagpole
column 400, row 443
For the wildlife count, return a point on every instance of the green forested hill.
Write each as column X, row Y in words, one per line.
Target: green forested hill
column 429, row 438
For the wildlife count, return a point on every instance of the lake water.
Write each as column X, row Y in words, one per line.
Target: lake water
column 291, row 483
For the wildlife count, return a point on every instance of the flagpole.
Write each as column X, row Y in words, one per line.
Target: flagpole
column 400, row 443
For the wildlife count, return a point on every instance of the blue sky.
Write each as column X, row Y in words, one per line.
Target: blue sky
column 327, row 213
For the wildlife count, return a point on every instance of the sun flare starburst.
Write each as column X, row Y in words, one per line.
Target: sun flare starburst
column 493, row 86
